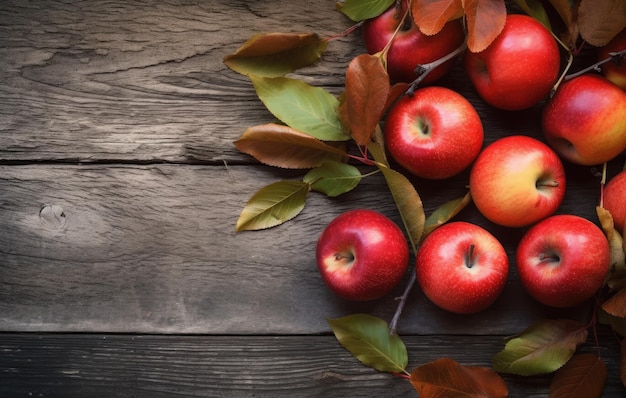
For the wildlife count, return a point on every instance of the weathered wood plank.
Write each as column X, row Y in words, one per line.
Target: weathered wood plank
column 152, row 249
column 229, row 366
column 142, row 80
column 145, row 81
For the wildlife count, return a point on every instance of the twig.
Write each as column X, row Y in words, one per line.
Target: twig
column 613, row 56
column 393, row 325
column 423, row 70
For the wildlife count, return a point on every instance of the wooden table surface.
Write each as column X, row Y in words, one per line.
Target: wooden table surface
column 121, row 274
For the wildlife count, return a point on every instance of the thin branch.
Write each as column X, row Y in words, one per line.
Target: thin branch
column 393, row 325
column 424, row 70
column 616, row 57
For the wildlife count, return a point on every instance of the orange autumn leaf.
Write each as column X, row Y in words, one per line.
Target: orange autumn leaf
column 367, row 90
column 431, row 15
column 485, row 21
column 447, row 378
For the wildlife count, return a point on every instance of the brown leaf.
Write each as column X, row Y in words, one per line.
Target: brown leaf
column 583, row 376
column 367, row 90
column 601, row 20
column 447, row 378
column 568, row 16
column 430, row 16
column 622, row 361
column 282, row 146
column 275, row 54
column 395, row 92
column 616, row 304
column 485, row 21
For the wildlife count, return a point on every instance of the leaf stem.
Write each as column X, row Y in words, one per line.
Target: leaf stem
column 346, row 32
column 384, row 51
column 424, row 69
column 615, row 56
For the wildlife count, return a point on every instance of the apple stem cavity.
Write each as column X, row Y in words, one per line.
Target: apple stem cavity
column 345, row 258
column 547, row 184
column 616, row 56
column 549, row 258
column 424, row 69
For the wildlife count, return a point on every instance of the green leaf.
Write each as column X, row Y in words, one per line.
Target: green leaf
column 273, row 204
column 333, row 178
column 301, row 106
column 535, row 9
column 368, row 339
column 542, row 348
column 358, row 10
column 276, row 54
column 282, row 146
column 445, row 212
column 408, row 202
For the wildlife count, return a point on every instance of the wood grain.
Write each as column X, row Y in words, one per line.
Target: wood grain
column 142, row 80
column 120, row 188
column 153, row 249
column 231, row 366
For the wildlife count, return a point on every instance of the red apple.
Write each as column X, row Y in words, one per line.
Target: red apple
column 563, row 260
column 461, row 267
column 585, row 120
column 614, row 71
column 411, row 47
column 614, row 200
column 362, row 255
column 519, row 67
column 517, row 180
column 435, row 133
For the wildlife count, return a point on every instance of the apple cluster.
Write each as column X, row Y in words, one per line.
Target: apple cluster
column 516, row 181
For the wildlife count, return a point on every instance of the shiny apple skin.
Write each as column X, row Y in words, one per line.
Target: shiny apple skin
column 519, row 68
column 434, row 134
column 517, row 180
column 576, row 260
column 411, row 47
column 379, row 249
column 443, row 273
column 614, row 72
column 585, row 120
column 614, row 199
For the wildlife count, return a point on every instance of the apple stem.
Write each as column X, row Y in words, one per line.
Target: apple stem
column 553, row 183
column 469, row 258
column 602, row 184
column 393, row 325
column 423, row 70
column 615, row 56
column 343, row 257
